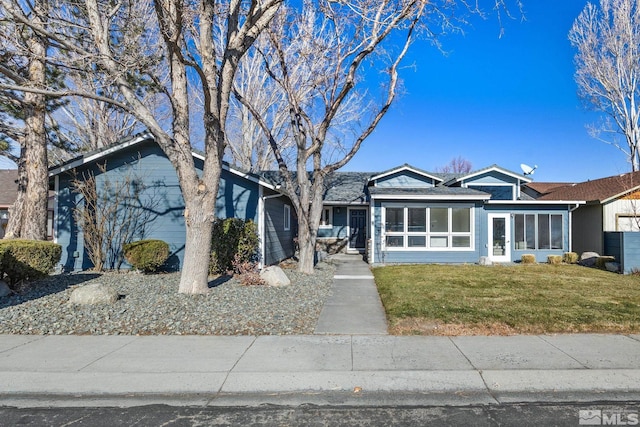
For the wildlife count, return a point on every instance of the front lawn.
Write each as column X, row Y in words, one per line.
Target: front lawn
column 472, row 299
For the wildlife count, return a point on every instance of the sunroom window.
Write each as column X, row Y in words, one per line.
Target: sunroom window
column 538, row 231
column 420, row 227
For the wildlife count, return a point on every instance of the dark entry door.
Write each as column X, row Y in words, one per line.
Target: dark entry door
column 357, row 228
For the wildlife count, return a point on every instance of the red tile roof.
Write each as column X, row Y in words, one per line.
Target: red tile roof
column 598, row 190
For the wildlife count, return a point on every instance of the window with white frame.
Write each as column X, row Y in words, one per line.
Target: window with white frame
column 326, row 220
column 424, row 228
column 538, row 231
column 287, row 218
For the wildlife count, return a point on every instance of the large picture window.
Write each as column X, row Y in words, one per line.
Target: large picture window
column 428, row 228
column 538, row 231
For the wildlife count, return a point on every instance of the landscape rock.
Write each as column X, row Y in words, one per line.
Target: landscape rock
column 274, row 276
column 5, row 290
column 94, row 293
column 613, row 267
column 588, row 259
column 484, row 260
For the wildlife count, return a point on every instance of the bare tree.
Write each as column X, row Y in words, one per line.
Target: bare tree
column 332, row 59
column 132, row 46
column 456, row 165
column 247, row 144
column 607, row 39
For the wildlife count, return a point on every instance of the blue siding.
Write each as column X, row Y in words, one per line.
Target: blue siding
column 237, row 197
column 625, row 247
column 492, row 177
column 405, row 179
column 278, row 242
column 498, row 192
column 339, row 227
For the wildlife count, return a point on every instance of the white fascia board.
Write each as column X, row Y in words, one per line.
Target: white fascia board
column 239, row 173
column 405, row 168
column 97, row 156
column 422, row 197
column 489, row 169
column 617, row 196
column 536, row 202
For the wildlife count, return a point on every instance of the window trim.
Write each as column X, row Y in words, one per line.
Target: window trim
column 329, row 223
column 449, row 234
column 286, row 223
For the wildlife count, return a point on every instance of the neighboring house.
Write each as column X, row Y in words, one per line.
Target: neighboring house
column 159, row 201
column 407, row 215
column 8, row 194
column 612, row 206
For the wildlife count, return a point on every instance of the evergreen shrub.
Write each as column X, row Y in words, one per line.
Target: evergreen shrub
column 28, row 259
column 234, row 241
column 146, row 255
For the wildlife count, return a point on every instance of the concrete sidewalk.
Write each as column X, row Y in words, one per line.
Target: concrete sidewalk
column 354, row 307
column 318, row 369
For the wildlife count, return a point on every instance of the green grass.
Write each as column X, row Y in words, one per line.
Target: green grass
column 539, row 298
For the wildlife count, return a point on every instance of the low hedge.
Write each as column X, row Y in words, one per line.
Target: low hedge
column 28, row 259
column 146, row 255
column 554, row 259
column 528, row 259
column 570, row 258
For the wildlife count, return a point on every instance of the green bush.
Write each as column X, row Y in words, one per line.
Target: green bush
column 570, row 258
column 554, row 259
column 28, row 259
column 528, row 259
column 233, row 241
column 602, row 260
column 146, row 255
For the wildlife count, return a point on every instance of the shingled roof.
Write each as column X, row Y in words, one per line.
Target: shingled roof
column 8, row 187
column 597, row 191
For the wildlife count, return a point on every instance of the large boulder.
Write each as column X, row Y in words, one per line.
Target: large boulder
column 588, row 259
column 274, row 276
column 94, row 293
column 5, row 290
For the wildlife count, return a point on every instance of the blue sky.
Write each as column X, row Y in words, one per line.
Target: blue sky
column 507, row 101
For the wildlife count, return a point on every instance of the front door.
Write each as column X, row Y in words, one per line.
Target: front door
column 357, row 229
column 499, row 238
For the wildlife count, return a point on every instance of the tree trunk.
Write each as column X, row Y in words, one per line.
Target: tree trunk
column 14, row 226
column 307, row 247
column 194, row 278
column 199, row 214
column 29, row 215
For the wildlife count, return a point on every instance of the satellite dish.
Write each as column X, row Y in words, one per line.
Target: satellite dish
column 527, row 170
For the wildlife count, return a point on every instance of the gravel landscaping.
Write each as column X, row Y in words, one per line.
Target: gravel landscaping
column 151, row 305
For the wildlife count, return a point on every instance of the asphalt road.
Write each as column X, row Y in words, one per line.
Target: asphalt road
column 540, row 414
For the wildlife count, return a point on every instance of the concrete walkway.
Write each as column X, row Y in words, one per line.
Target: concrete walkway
column 318, row 369
column 354, row 306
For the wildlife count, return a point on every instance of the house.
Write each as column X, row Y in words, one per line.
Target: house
column 609, row 220
column 402, row 215
column 408, row 215
column 8, row 194
column 158, row 202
